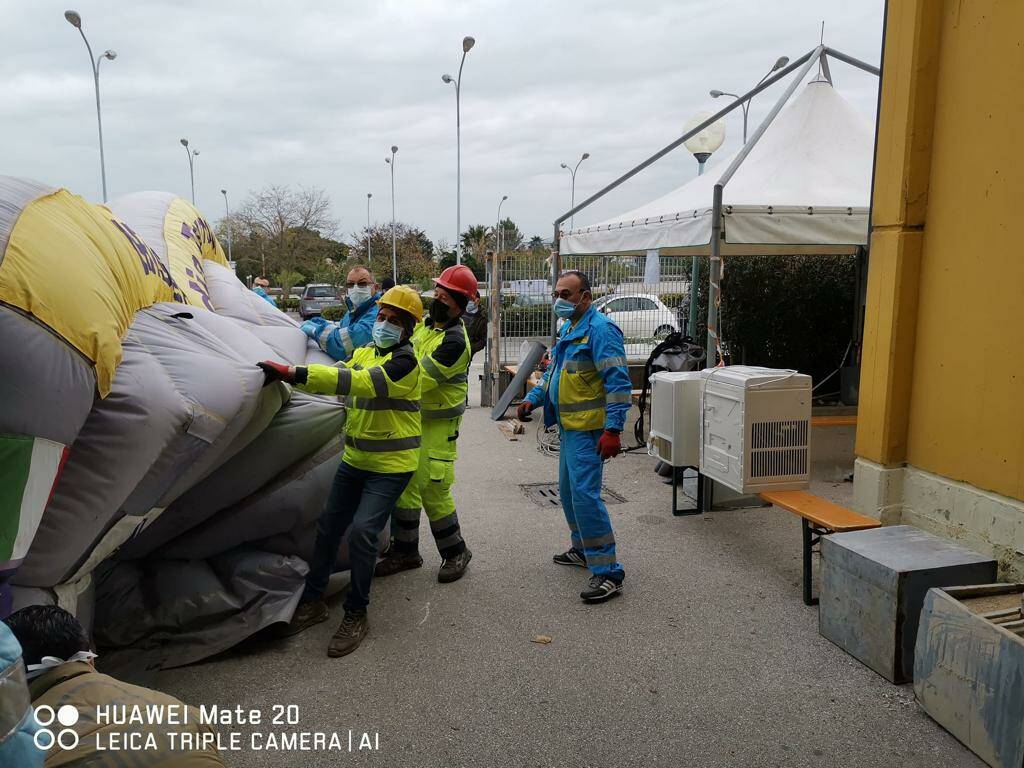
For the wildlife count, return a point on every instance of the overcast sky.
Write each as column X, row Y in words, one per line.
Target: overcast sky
column 315, row 93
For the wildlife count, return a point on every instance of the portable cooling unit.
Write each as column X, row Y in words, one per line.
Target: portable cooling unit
column 675, row 418
column 755, row 428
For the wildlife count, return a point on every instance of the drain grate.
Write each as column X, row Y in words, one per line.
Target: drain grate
column 546, row 494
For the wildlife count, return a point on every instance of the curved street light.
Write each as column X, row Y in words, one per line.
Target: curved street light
column 75, row 20
column 394, row 248
column 191, row 167
column 715, row 93
column 497, row 229
column 369, row 254
column 572, row 188
column 467, row 43
column 227, row 219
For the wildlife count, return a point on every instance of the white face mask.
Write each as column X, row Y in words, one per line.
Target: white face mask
column 359, row 294
column 32, row 671
column 471, row 308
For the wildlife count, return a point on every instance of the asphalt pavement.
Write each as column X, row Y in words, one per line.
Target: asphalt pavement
column 709, row 658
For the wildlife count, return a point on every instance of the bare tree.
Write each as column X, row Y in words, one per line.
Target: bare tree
column 288, row 222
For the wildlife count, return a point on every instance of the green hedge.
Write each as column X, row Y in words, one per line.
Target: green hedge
column 334, row 314
column 785, row 311
column 289, row 303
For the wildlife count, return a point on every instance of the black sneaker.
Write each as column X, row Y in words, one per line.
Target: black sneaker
column 571, row 557
column 453, row 568
column 396, row 562
column 305, row 616
column 349, row 634
column 600, row 589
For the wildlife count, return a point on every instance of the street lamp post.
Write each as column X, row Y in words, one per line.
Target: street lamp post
column 572, row 186
column 702, row 145
column 227, row 219
column 394, row 249
column 779, row 64
column 497, row 229
column 467, row 43
column 369, row 254
column 75, row 20
column 191, row 167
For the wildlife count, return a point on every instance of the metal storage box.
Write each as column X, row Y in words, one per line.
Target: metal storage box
column 873, row 585
column 969, row 668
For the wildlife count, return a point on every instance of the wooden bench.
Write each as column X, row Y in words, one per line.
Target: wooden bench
column 819, row 517
column 848, row 420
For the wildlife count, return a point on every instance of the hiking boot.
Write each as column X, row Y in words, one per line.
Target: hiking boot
column 452, row 568
column 571, row 557
column 349, row 635
column 305, row 616
column 396, row 562
column 600, row 589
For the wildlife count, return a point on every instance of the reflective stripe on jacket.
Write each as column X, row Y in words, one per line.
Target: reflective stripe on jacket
column 382, row 432
column 355, row 330
column 587, row 384
column 444, row 355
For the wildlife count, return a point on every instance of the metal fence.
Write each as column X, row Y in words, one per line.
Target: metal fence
column 647, row 297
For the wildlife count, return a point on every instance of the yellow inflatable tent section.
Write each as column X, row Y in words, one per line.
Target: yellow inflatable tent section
column 84, row 273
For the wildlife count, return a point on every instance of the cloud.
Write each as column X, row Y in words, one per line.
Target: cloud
column 315, row 93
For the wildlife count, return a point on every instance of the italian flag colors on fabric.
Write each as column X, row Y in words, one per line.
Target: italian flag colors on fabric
column 29, row 467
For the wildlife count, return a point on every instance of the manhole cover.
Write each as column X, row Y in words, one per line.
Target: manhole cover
column 546, row 494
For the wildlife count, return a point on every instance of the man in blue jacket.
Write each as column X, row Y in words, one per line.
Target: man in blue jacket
column 586, row 391
column 340, row 340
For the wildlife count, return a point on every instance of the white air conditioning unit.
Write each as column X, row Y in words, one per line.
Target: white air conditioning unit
column 675, row 418
column 755, row 428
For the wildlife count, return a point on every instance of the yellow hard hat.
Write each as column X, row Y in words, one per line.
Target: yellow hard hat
column 405, row 298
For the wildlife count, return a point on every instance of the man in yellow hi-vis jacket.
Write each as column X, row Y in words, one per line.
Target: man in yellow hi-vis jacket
column 382, row 445
column 443, row 349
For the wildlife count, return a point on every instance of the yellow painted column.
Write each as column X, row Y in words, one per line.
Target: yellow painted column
column 899, row 206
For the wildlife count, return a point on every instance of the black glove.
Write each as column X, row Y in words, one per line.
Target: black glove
column 276, row 372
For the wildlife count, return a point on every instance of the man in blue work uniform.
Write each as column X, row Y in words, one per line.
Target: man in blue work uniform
column 340, row 340
column 586, row 391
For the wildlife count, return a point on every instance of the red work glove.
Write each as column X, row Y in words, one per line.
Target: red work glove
column 609, row 445
column 523, row 411
column 276, row 372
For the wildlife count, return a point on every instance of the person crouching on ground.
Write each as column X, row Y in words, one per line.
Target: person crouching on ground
column 59, row 667
column 586, row 390
column 382, row 446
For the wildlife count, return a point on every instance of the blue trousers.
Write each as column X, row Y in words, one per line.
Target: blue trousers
column 580, row 470
column 360, row 502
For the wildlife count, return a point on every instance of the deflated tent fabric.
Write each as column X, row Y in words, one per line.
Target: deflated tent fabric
column 105, row 274
column 179, row 235
column 180, row 398
column 134, row 416
column 805, row 186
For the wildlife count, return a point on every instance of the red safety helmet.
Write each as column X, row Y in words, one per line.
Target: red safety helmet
column 459, row 279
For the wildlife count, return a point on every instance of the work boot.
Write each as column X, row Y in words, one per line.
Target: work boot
column 305, row 616
column 452, row 568
column 349, row 635
column 571, row 557
column 600, row 589
column 395, row 562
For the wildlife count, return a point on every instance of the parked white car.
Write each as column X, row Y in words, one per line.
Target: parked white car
column 639, row 315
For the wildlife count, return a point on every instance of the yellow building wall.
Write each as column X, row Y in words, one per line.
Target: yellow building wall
column 967, row 398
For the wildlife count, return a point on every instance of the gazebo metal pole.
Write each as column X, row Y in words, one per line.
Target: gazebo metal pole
column 715, row 276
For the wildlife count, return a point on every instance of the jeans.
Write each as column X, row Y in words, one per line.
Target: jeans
column 360, row 502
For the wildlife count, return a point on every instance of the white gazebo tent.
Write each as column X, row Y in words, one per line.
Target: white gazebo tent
column 801, row 184
column 804, row 187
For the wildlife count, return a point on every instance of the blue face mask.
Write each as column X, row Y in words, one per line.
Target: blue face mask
column 563, row 308
column 386, row 334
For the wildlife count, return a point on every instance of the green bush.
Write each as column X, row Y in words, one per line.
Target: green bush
column 289, row 303
column 784, row 311
column 334, row 314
